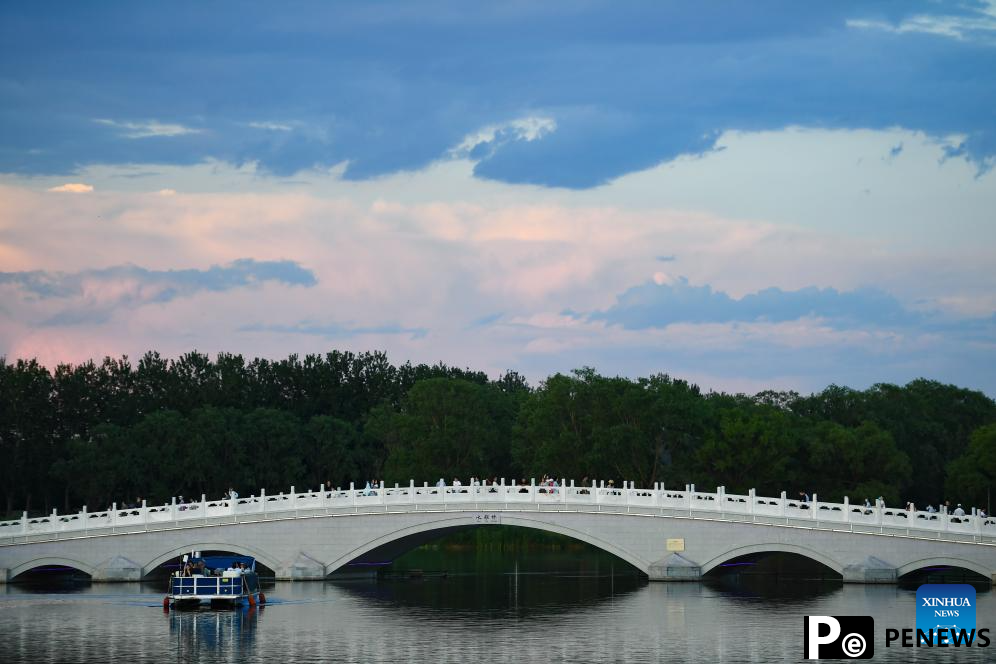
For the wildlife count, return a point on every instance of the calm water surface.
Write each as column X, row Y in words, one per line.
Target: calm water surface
column 581, row 613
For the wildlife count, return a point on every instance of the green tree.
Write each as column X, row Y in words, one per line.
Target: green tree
column 753, row 447
column 861, row 462
column 445, row 427
column 972, row 476
column 554, row 429
column 335, row 453
column 273, row 449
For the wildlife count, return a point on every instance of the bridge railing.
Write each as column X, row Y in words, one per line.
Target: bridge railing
column 563, row 495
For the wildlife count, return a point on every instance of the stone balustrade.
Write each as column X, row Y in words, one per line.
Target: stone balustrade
column 597, row 497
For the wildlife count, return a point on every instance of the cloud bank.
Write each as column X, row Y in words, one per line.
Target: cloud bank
column 93, row 295
column 626, row 86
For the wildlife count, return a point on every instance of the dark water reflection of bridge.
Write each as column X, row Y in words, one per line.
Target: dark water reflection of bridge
column 511, row 606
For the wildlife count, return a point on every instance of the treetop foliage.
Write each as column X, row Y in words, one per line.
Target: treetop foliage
column 94, row 433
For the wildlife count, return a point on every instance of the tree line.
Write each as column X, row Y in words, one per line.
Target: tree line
column 93, row 433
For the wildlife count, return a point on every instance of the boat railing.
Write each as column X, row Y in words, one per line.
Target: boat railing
column 197, row 585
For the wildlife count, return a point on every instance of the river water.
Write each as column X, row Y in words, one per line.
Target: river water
column 542, row 607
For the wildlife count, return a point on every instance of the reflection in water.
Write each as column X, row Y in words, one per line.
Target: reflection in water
column 228, row 633
column 563, row 616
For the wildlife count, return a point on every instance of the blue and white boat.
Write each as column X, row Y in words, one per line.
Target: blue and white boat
column 221, row 581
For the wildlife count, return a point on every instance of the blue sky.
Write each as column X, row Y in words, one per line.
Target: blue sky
column 493, row 185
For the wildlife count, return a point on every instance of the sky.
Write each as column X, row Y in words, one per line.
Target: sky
column 749, row 196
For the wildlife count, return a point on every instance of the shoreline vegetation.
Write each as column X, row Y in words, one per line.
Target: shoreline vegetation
column 116, row 431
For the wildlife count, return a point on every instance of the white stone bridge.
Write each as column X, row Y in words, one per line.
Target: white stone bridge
column 668, row 534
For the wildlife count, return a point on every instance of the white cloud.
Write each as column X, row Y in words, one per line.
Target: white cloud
column 663, row 278
column 270, row 126
column 147, row 129
column 961, row 28
column 167, row 192
column 73, row 188
column 529, row 128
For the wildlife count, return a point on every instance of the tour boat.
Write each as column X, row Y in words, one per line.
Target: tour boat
column 221, row 581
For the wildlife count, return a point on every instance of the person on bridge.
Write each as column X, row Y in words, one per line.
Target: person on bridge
column 959, row 511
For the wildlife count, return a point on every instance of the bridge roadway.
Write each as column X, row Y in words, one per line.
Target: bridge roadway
column 670, row 535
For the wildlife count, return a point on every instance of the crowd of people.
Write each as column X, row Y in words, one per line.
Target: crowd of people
column 190, row 568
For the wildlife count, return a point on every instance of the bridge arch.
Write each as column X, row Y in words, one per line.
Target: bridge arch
column 41, row 562
column 260, row 556
column 945, row 562
column 506, row 520
column 775, row 547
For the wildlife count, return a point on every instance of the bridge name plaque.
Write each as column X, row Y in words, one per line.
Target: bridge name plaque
column 486, row 517
column 676, row 544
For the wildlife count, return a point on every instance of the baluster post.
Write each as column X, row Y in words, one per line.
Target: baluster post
column 815, row 505
column 784, row 498
column 752, row 500
column 352, row 494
